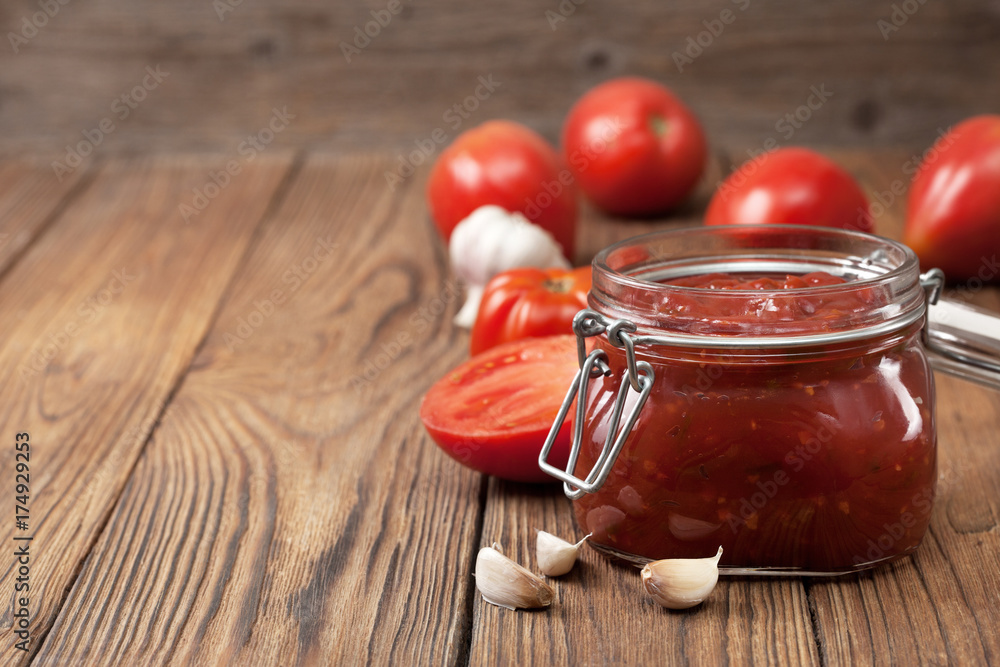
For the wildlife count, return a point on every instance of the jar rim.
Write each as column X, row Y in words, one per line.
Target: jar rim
column 629, row 276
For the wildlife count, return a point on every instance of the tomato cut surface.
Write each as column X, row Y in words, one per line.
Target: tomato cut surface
column 493, row 412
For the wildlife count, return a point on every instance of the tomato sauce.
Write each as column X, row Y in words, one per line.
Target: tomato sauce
column 812, row 460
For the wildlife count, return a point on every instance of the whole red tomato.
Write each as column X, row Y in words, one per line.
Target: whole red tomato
column 953, row 212
column 634, row 148
column 505, row 164
column 792, row 186
column 492, row 413
column 526, row 303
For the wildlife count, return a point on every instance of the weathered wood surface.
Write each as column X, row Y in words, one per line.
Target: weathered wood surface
column 231, row 61
column 31, row 197
column 102, row 316
column 233, row 469
column 601, row 615
column 283, row 514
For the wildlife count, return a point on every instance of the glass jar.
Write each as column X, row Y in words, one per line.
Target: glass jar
column 793, row 427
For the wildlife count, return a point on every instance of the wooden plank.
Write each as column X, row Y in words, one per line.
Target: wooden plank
column 939, row 606
column 31, row 197
column 102, row 316
column 602, row 616
column 887, row 88
column 290, row 509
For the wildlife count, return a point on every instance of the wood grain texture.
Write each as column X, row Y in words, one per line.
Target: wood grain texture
column 31, row 197
column 102, row 315
column 602, row 616
column 289, row 509
column 227, row 72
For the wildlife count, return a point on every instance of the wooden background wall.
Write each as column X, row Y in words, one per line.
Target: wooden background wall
column 226, row 75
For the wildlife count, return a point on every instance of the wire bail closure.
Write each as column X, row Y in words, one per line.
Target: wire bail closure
column 640, row 377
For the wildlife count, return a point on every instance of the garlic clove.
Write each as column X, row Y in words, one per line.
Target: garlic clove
column 506, row 584
column 680, row 583
column 556, row 556
column 491, row 240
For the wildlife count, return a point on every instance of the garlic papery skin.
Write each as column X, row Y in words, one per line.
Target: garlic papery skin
column 506, row 584
column 555, row 555
column 491, row 240
column 680, row 583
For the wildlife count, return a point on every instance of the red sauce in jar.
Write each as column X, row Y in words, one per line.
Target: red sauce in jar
column 817, row 460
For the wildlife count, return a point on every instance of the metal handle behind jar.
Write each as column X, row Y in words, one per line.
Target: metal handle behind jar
column 964, row 341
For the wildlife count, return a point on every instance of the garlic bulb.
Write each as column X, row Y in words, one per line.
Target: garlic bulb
column 492, row 240
column 506, row 584
column 679, row 583
column 556, row 556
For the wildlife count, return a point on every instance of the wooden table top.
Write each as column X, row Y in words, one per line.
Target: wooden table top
column 220, row 472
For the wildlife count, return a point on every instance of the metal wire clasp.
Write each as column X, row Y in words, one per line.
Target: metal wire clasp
column 640, row 376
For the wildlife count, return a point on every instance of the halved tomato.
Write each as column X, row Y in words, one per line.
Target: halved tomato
column 492, row 413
